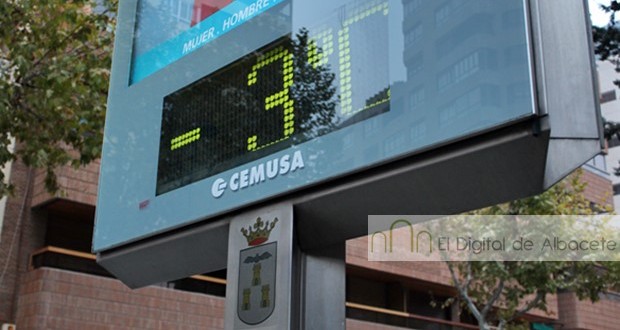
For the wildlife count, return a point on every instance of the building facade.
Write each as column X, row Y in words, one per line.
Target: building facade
column 610, row 109
column 50, row 280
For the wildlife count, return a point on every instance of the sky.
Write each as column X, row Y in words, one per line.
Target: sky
column 599, row 18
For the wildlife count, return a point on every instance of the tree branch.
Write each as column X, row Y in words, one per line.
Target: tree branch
column 463, row 292
column 49, row 51
column 539, row 296
column 496, row 294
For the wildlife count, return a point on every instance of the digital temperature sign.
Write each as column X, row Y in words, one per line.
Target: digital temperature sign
column 217, row 105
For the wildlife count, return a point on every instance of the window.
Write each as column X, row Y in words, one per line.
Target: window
column 445, row 13
column 371, row 126
column 413, row 36
column 476, row 25
column 608, row 96
column 417, row 98
column 415, row 66
column 466, row 67
column 394, row 143
column 412, row 6
column 458, row 109
column 182, row 10
column 418, row 132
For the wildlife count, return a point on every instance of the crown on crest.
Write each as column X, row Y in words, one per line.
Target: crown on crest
column 258, row 233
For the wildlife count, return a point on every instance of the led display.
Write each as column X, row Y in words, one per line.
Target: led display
column 281, row 95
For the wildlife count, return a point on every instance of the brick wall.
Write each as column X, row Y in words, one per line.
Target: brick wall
column 584, row 315
column 17, row 242
column 57, row 299
column 76, row 185
column 598, row 189
column 434, row 272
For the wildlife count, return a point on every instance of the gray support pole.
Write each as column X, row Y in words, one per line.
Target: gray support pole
column 323, row 289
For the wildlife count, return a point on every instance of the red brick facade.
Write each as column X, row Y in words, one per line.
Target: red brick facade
column 76, row 185
column 56, row 299
column 598, row 189
column 581, row 315
column 19, row 233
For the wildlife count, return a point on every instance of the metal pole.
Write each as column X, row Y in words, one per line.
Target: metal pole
column 322, row 285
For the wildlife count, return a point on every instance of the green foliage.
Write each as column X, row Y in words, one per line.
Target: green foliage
column 500, row 293
column 607, row 48
column 54, row 73
column 607, row 38
column 313, row 91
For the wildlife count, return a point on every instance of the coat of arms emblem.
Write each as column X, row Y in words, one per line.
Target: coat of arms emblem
column 257, row 274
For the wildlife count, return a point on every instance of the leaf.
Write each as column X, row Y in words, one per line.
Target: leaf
column 61, row 59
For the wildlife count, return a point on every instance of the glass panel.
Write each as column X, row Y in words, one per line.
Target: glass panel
column 167, row 30
column 281, row 95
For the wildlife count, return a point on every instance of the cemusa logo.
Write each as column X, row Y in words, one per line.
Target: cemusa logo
column 258, row 173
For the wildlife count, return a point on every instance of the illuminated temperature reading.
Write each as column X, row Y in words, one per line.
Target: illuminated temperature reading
column 291, row 91
column 185, row 139
column 280, row 98
column 317, row 57
column 358, row 16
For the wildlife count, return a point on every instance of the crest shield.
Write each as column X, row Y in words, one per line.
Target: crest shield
column 257, row 283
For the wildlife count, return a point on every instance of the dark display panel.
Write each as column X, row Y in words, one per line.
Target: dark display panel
column 293, row 90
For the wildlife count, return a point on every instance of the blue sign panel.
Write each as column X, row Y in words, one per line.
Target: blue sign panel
column 189, row 25
column 293, row 94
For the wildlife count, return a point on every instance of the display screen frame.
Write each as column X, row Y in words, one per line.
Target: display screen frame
column 149, row 59
column 127, row 190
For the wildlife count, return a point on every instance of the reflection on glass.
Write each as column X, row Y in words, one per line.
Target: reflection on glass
column 158, row 21
column 205, row 8
column 287, row 93
column 462, row 67
column 168, row 30
column 466, row 65
column 372, row 81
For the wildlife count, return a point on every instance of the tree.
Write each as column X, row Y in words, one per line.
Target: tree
column 607, row 38
column 54, row 73
column 500, row 293
column 313, row 90
column 607, row 48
